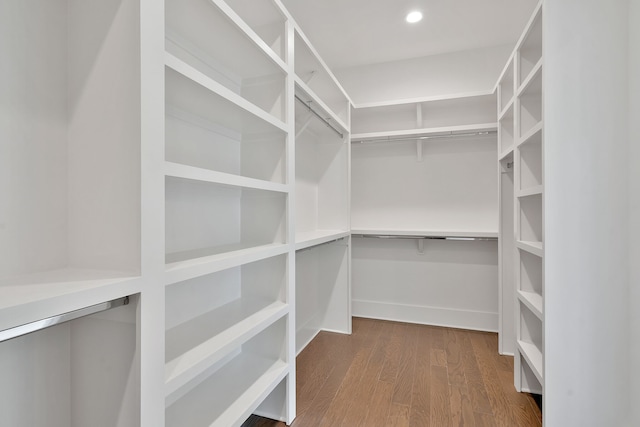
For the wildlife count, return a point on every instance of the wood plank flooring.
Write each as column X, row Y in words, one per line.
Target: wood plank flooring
column 398, row 374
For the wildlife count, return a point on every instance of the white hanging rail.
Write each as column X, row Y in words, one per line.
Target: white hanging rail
column 422, row 137
column 416, row 237
column 319, row 116
column 28, row 328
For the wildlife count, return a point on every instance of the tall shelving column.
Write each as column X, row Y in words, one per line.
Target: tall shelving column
column 524, row 147
column 506, row 239
column 228, row 189
column 322, row 228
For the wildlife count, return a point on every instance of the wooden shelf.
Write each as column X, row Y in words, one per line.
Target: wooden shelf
column 534, row 248
column 230, row 395
column 533, row 356
column 307, row 239
column 533, row 301
column 177, row 170
column 194, row 346
column 188, row 268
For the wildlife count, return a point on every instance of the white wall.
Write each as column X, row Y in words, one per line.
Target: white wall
column 634, row 191
column 586, row 251
column 430, row 76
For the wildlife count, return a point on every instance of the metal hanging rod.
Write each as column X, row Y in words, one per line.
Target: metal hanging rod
column 321, row 244
column 28, row 328
column 393, row 236
column 423, row 137
column 318, row 115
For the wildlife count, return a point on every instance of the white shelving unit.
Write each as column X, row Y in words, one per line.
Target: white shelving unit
column 520, row 89
column 70, row 215
column 322, row 229
column 433, row 237
column 229, row 341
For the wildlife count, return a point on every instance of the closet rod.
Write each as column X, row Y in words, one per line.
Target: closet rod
column 315, row 113
column 393, row 236
column 423, row 137
column 28, row 328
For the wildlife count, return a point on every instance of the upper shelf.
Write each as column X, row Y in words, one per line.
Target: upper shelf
column 427, row 133
column 454, row 234
column 314, row 102
column 468, row 112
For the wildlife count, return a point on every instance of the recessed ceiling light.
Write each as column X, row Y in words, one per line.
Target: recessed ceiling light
column 414, row 16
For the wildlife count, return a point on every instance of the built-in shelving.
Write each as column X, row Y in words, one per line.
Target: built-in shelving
column 313, row 76
column 522, row 201
column 228, row 187
column 322, row 162
column 229, row 394
column 440, row 152
column 70, row 215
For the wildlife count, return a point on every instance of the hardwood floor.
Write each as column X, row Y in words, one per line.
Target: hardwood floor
column 398, row 374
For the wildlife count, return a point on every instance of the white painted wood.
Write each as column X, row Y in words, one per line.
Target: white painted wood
column 480, row 127
column 533, row 356
column 440, row 113
column 506, row 258
column 192, row 91
column 308, row 64
column 307, row 239
column 193, row 141
column 319, row 103
column 176, row 170
column 424, row 315
column 322, row 291
column 248, row 379
column 534, row 248
column 423, row 232
column 533, row 301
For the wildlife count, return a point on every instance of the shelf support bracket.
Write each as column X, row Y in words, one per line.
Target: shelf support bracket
column 421, row 246
column 419, row 147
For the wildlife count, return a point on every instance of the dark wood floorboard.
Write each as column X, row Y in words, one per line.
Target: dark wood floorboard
column 398, row 374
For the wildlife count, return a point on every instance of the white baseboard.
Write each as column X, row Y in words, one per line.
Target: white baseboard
column 435, row 316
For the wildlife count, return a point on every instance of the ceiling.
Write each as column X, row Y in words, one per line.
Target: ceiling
column 350, row 33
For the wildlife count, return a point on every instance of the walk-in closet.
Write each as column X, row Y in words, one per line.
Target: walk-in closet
column 287, row 212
